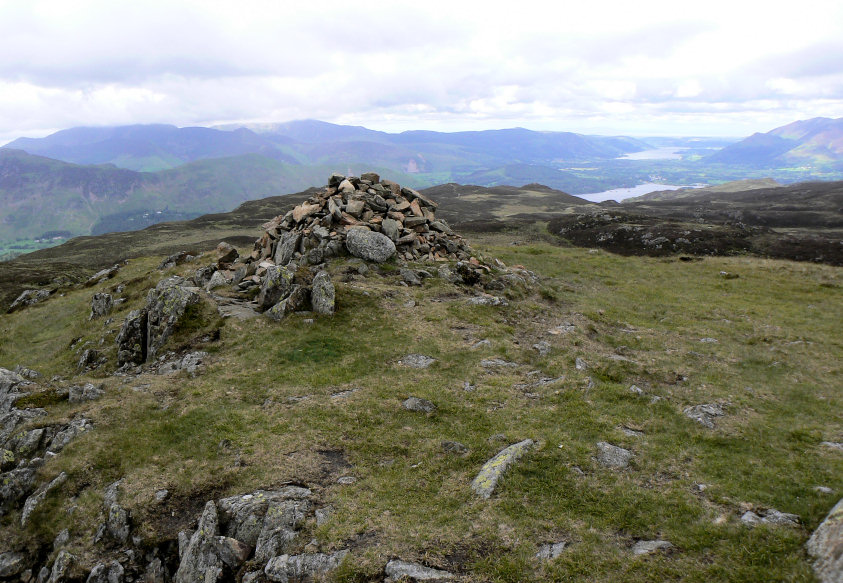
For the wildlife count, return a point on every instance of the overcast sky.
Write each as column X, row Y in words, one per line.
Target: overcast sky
column 626, row 67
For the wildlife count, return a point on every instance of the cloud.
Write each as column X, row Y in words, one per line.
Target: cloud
column 609, row 66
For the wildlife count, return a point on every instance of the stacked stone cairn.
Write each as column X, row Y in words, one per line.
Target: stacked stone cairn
column 349, row 206
column 365, row 217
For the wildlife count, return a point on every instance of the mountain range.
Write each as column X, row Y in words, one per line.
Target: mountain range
column 817, row 141
column 84, row 181
column 309, row 142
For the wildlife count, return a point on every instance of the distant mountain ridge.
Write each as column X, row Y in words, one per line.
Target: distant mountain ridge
column 816, row 141
column 157, row 147
column 147, row 147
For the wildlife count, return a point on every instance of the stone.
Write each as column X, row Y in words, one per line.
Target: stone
column 418, row 405
column 397, row 570
column 29, row 297
column 825, row 547
column 417, row 361
column 199, row 559
column 155, row 572
column 61, row 539
column 68, row 433
column 454, row 447
column 497, row 363
column 101, row 305
column 551, row 550
column 297, row 300
column 323, row 515
column 369, row 245
column 823, row 490
column 38, row 496
column 15, row 486
column 542, row 347
column 832, row 445
column 484, row 484
column 580, row 364
column 323, row 294
column 287, row 245
column 409, row 276
column 612, row 456
column 86, row 392
column 276, row 285
column 704, row 414
column 228, row 255
column 203, row 275
column 106, row 573
column 636, row 389
column 217, row 280
column 266, row 520
column 89, row 360
column 648, row 547
column 305, row 567
column 565, row 328
column 487, row 300
column 131, row 340
column 770, row 516
column 11, row 564
column 102, row 275
column 165, row 306
column 391, row 228
column 61, row 566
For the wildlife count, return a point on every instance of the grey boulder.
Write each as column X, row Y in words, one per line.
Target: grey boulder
column 106, row 573
column 397, row 570
column 305, row 567
column 369, row 245
column 323, row 294
column 826, row 547
column 101, row 305
column 612, row 456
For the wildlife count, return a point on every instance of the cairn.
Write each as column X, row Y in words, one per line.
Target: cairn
column 365, row 217
column 320, row 227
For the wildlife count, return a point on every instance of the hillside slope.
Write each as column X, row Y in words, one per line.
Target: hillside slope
column 671, row 436
column 817, row 141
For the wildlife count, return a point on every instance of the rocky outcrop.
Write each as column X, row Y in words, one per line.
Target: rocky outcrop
column 165, row 305
column 826, row 546
column 306, row 567
column 101, row 305
column 131, row 340
column 29, row 297
column 33, row 501
column 145, row 332
column 262, row 526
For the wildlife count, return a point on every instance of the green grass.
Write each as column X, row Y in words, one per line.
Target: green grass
column 273, row 401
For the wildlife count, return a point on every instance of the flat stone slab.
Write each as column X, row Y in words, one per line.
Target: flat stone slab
column 826, row 546
column 417, row 361
column 397, row 570
column 649, row 547
column 551, row 550
column 771, row 516
column 705, row 414
column 492, row 471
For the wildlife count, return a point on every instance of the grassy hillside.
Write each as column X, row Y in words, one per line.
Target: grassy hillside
column 310, row 402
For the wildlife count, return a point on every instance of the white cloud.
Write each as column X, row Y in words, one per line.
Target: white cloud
column 615, row 67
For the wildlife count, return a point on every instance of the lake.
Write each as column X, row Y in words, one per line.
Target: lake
column 672, row 153
column 621, row 193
